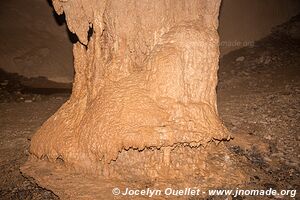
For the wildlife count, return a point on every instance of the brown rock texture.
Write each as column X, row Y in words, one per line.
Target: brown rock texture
column 143, row 104
column 32, row 43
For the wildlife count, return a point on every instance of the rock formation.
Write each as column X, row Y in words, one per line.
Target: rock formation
column 143, row 105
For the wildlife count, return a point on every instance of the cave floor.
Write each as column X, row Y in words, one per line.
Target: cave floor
column 258, row 100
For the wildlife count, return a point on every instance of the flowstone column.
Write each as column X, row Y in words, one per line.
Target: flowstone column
column 143, row 104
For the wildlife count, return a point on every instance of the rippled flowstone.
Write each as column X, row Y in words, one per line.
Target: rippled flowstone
column 143, row 106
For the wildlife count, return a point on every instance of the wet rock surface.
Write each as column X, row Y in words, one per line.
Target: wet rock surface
column 258, row 99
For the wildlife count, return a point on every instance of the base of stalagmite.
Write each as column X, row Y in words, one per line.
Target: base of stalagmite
column 143, row 109
column 210, row 167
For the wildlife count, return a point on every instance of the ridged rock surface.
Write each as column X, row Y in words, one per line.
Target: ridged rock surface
column 144, row 95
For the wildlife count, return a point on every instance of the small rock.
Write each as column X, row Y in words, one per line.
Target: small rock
column 240, row 59
column 278, row 196
column 38, row 98
column 267, row 60
column 268, row 137
column 270, row 185
column 235, row 122
column 273, row 119
column 4, row 83
column 267, row 159
column 277, row 154
column 260, row 60
column 28, row 101
column 245, row 73
column 291, row 164
column 257, row 177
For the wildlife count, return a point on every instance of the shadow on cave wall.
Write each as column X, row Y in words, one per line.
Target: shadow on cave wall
column 61, row 20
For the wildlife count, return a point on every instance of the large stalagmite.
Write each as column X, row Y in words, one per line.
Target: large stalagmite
column 143, row 104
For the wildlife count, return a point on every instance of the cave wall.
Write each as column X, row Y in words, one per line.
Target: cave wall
column 33, row 44
column 244, row 21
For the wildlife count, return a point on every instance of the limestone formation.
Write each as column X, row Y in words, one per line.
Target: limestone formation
column 143, row 105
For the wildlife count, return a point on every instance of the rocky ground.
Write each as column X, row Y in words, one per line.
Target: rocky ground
column 258, row 99
column 22, row 110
